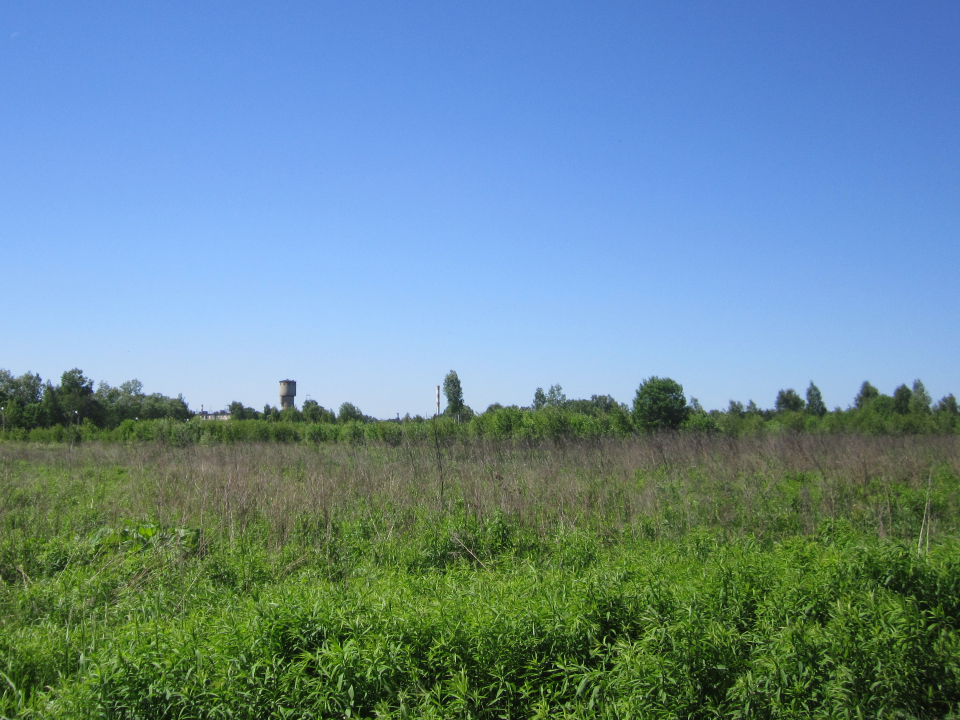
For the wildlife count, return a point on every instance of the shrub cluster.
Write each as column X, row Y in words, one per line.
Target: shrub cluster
column 72, row 411
column 504, row 423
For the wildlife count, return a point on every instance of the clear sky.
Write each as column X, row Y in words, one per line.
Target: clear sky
column 215, row 196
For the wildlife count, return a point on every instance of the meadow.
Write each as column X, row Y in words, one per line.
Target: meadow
column 667, row 575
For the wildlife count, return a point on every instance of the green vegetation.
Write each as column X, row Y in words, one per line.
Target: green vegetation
column 453, row 392
column 72, row 412
column 815, row 403
column 660, row 405
column 29, row 403
column 662, row 575
column 579, row 420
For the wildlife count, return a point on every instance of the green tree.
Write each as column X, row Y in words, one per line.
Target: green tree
column 815, row 401
column 948, row 404
column 867, row 394
column 155, row 406
column 901, row 400
column 76, row 398
column 270, row 413
column 314, row 412
column 121, row 403
column 920, row 399
column 22, row 397
column 12, row 415
column 596, row 405
column 290, row 414
column 700, row 422
column 27, row 389
column 52, row 412
column 555, row 396
column 659, row 405
column 539, row 399
column 238, row 411
column 788, row 401
column 453, row 392
column 129, row 402
column 882, row 405
column 605, row 404
column 348, row 412
column 132, row 388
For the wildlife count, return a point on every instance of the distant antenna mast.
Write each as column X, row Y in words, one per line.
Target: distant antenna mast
column 438, row 400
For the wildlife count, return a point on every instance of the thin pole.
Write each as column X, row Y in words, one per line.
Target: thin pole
column 923, row 523
column 436, row 439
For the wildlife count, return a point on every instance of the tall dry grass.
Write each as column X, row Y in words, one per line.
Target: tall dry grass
column 662, row 484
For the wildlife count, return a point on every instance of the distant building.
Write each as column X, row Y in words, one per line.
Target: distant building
column 219, row 415
column 288, row 391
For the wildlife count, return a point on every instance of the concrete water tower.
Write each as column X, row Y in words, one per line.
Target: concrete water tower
column 288, row 391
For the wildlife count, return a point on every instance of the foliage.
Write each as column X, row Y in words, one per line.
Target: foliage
column 659, row 405
column 270, row 413
column 26, row 389
column 38, row 412
column 289, row 414
column 736, row 409
column 453, row 392
column 660, row 576
column 349, row 413
column 901, row 400
column 815, row 403
column 31, row 404
column 788, row 401
column 314, row 412
column 519, row 424
column 700, row 422
column 596, row 405
column 555, row 397
column 129, row 402
column 948, row 406
column 539, row 399
column 238, row 411
column 867, row 394
column 919, row 399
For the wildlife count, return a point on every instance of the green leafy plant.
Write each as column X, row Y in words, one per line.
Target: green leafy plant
column 659, row 405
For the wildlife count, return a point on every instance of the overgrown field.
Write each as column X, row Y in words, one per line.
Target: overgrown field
column 655, row 576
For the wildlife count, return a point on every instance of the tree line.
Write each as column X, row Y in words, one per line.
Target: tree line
column 28, row 403
column 660, row 404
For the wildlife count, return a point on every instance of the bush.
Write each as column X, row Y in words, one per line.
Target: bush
column 700, row 422
column 659, row 405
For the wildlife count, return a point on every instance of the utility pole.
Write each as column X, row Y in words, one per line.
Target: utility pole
column 438, row 401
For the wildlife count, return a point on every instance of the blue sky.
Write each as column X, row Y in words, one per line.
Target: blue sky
column 214, row 196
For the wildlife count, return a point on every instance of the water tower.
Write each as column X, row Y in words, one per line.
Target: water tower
column 288, row 391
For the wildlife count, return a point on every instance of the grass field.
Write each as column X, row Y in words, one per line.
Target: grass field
column 661, row 576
